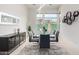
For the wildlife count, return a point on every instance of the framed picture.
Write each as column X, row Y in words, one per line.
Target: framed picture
column 8, row 19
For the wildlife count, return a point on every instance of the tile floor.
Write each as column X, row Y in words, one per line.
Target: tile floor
column 34, row 49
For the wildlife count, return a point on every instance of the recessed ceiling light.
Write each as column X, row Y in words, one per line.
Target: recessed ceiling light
column 50, row 4
column 33, row 4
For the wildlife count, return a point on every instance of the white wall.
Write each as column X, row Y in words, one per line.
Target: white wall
column 16, row 10
column 70, row 33
column 32, row 18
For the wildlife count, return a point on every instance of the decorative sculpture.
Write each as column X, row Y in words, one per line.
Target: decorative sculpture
column 76, row 13
column 70, row 18
column 65, row 19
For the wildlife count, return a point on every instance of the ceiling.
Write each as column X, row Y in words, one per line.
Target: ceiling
column 45, row 6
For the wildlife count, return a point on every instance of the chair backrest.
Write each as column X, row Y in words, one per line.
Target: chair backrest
column 30, row 36
column 54, row 32
column 57, row 34
column 45, row 41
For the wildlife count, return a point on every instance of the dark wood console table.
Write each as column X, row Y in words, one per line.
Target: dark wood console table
column 10, row 41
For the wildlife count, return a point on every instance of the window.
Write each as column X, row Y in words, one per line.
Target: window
column 39, row 16
column 49, row 21
column 52, row 17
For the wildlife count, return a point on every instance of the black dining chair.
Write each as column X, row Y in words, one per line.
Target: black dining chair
column 57, row 35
